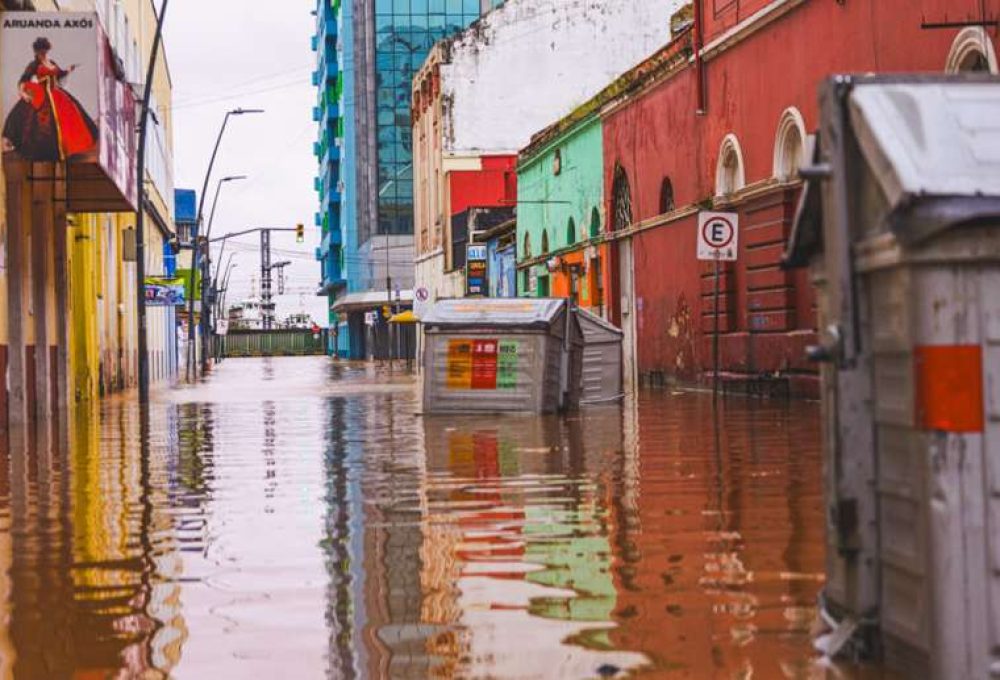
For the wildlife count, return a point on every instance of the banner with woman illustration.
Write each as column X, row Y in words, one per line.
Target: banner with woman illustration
column 63, row 99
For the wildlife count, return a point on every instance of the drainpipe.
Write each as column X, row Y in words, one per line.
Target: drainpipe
column 699, row 63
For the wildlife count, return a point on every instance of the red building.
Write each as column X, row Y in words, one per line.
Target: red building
column 726, row 130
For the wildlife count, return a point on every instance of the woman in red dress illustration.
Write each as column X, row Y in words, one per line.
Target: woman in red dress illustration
column 48, row 124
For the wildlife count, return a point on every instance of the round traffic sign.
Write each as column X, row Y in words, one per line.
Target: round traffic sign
column 422, row 294
column 718, row 232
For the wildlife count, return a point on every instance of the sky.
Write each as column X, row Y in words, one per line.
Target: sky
column 225, row 54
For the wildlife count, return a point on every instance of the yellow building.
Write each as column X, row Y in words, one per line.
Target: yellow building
column 68, row 322
column 102, row 247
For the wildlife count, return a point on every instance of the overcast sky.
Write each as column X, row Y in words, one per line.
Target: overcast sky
column 225, row 54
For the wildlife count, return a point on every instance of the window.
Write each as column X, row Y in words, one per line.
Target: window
column 729, row 173
column 571, row 232
column 789, row 145
column 972, row 52
column 666, row 196
column 545, row 242
column 527, row 246
column 621, row 197
column 595, row 223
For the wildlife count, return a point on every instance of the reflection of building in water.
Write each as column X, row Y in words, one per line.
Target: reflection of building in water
column 718, row 552
column 90, row 591
column 396, row 635
column 344, row 505
column 517, row 558
column 7, row 652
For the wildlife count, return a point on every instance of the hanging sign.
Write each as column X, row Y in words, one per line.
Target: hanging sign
column 164, row 292
column 476, row 280
column 718, row 236
column 64, row 100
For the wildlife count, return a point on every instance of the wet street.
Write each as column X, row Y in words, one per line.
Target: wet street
column 297, row 518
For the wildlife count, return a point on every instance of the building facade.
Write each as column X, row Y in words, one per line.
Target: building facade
column 727, row 130
column 474, row 110
column 561, row 212
column 68, row 323
column 367, row 54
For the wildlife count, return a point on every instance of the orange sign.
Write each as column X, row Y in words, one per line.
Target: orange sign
column 459, row 364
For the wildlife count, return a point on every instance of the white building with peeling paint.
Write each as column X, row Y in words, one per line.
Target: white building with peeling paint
column 481, row 95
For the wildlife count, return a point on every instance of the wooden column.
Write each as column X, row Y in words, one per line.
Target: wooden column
column 18, row 213
column 41, row 260
column 62, row 308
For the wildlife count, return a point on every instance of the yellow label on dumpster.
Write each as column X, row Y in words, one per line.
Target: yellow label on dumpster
column 460, row 364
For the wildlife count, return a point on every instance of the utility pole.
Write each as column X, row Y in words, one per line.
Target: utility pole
column 388, row 297
column 266, row 294
column 140, row 217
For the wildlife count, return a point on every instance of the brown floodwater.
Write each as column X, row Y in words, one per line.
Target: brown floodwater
column 297, row 518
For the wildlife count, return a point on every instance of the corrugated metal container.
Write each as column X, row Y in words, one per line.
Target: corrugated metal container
column 500, row 355
column 601, row 379
column 906, row 246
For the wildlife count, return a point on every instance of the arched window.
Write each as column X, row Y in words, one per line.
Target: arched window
column 545, row 242
column 571, row 232
column 666, row 196
column 527, row 246
column 789, row 145
column 621, row 201
column 729, row 173
column 972, row 52
column 595, row 223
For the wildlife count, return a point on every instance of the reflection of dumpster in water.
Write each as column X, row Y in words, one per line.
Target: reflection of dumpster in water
column 501, row 355
column 901, row 220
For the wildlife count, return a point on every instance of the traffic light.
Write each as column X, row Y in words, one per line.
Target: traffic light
column 300, row 233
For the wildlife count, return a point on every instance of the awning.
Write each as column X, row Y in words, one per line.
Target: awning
column 407, row 317
column 360, row 302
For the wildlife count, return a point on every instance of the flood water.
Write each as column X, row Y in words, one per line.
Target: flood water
column 297, row 518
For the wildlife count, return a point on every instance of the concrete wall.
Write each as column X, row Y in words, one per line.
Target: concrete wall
column 530, row 62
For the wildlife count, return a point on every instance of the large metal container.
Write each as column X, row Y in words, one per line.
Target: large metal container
column 497, row 355
column 901, row 221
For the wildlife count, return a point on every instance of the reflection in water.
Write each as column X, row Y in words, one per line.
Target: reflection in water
column 297, row 518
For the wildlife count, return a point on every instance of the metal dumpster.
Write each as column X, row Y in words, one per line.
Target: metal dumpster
column 501, row 355
column 900, row 220
column 601, row 363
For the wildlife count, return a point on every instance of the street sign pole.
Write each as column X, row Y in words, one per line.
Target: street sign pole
column 718, row 241
column 715, row 336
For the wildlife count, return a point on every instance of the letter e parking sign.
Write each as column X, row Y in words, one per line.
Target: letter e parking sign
column 718, row 236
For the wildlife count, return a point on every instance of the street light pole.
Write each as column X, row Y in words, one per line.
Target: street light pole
column 140, row 216
column 198, row 221
column 206, row 310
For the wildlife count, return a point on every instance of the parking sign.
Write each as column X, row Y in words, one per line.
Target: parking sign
column 718, row 236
